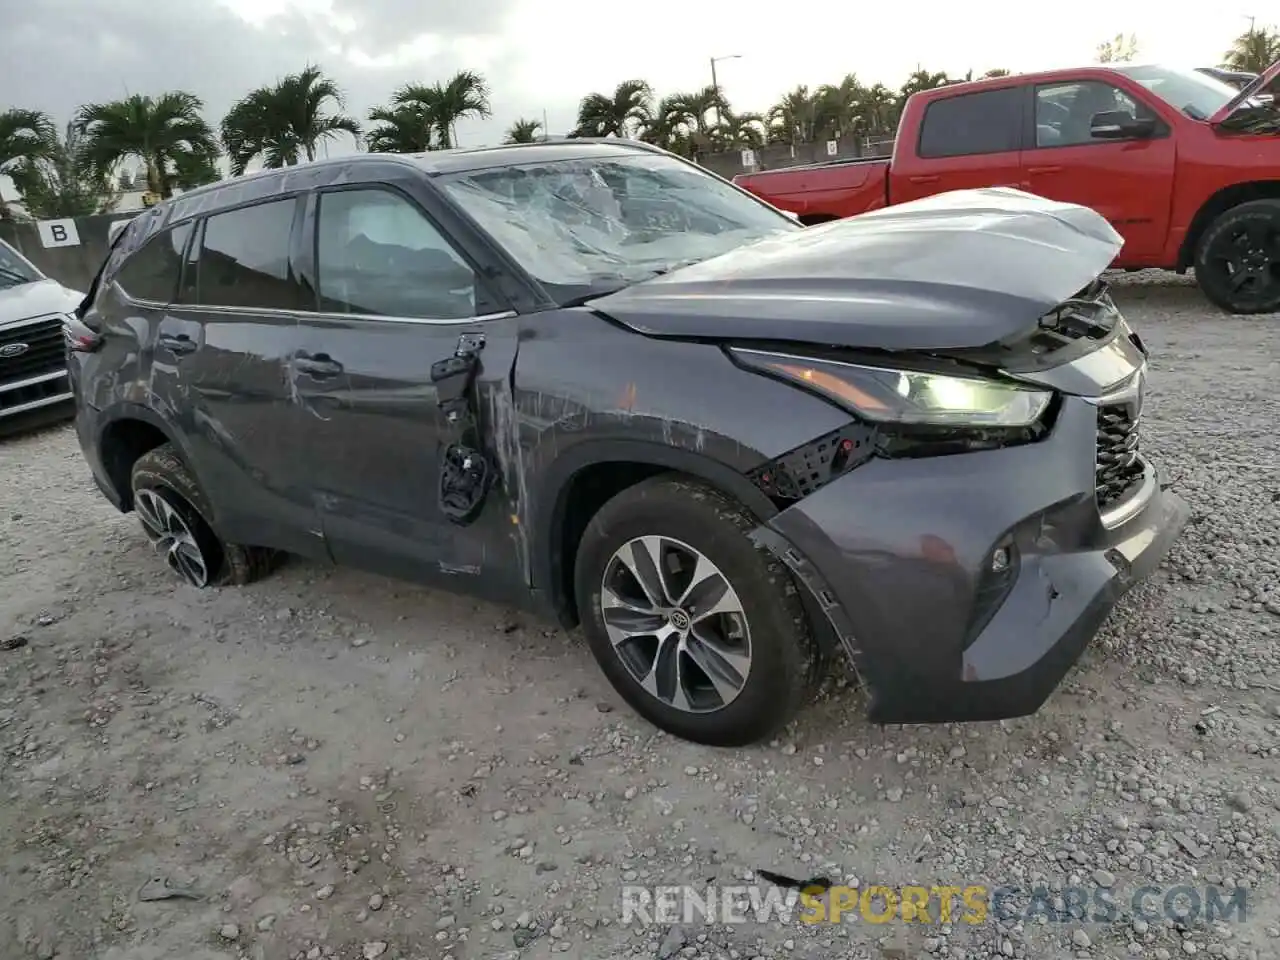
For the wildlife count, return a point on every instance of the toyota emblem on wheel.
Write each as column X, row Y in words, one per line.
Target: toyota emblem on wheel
column 11, row 350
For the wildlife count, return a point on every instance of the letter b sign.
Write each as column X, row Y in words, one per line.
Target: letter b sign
column 58, row 233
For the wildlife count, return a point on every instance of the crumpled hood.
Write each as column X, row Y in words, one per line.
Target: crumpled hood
column 960, row 269
column 36, row 299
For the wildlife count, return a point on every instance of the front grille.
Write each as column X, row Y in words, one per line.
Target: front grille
column 16, row 399
column 44, row 350
column 1119, row 468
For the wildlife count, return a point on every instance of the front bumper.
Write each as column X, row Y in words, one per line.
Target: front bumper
column 899, row 553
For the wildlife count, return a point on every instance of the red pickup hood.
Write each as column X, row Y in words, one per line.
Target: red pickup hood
column 956, row 270
column 1256, row 86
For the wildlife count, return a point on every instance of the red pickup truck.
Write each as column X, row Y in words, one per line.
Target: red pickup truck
column 1184, row 166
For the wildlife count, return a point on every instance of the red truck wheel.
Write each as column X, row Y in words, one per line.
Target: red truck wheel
column 1238, row 258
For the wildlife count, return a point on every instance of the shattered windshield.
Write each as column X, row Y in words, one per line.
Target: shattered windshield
column 14, row 270
column 592, row 225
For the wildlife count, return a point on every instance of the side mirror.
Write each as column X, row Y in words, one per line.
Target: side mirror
column 1120, row 125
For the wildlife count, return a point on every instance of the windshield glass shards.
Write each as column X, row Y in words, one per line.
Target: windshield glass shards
column 592, row 225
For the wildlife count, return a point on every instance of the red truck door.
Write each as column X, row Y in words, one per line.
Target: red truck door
column 965, row 141
column 1129, row 180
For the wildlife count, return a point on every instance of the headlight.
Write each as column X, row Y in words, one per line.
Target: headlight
column 887, row 395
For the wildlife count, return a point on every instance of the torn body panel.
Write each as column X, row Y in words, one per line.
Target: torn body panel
column 589, row 394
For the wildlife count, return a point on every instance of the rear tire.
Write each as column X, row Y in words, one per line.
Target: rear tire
column 173, row 511
column 725, row 678
column 1237, row 259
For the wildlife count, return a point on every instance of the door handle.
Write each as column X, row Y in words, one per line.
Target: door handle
column 177, row 342
column 925, row 178
column 319, row 365
column 1050, row 169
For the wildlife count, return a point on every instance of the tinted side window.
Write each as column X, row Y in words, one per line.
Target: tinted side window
column 152, row 272
column 244, row 258
column 379, row 255
column 972, row 124
column 1064, row 111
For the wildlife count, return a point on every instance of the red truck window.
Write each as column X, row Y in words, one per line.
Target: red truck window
column 973, row 123
column 1064, row 111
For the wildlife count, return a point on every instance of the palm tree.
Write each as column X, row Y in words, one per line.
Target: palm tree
column 625, row 113
column 1253, row 51
column 695, row 108
column 922, row 80
column 25, row 136
column 737, row 131
column 880, row 109
column 523, row 131
column 56, row 183
column 256, row 126
column 286, row 121
column 793, row 119
column 408, row 128
column 425, row 117
column 840, row 108
column 191, row 170
column 156, row 131
column 465, row 95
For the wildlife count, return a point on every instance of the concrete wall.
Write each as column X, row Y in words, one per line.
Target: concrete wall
column 73, row 266
column 730, row 164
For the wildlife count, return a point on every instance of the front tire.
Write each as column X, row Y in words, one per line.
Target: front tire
column 702, row 632
column 172, row 509
column 1237, row 259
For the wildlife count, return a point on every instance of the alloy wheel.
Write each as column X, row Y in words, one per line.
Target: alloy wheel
column 676, row 624
column 172, row 537
column 1249, row 260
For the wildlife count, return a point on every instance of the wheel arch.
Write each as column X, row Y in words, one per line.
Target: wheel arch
column 580, row 481
column 129, row 431
column 1217, row 204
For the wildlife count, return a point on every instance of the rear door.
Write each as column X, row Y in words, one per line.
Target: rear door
column 1130, row 182
column 227, row 342
column 965, row 141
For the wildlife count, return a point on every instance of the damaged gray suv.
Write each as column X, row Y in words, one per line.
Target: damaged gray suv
column 592, row 379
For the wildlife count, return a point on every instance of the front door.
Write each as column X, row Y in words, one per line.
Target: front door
column 395, row 297
column 1130, row 182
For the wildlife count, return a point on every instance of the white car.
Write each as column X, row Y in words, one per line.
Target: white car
column 33, row 360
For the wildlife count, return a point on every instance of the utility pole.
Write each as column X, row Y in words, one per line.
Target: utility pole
column 715, row 84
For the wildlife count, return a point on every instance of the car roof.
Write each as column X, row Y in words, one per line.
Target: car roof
column 437, row 162
column 262, row 183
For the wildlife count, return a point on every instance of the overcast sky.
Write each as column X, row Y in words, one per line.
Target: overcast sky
column 543, row 56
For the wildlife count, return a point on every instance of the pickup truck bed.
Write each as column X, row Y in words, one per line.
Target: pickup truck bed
column 818, row 192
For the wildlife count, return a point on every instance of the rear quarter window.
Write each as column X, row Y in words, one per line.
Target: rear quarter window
column 152, row 272
column 972, row 124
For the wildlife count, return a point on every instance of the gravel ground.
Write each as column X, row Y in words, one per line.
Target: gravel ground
column 337, row 765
